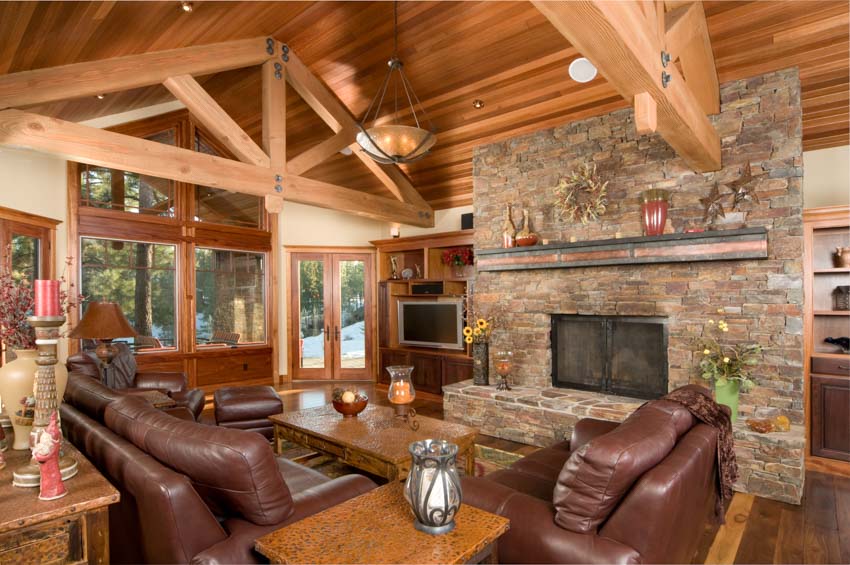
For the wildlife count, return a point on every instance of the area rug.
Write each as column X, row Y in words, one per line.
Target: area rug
column 487, row 460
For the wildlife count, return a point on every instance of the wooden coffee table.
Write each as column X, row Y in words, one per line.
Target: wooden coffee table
column 377, row 527
column 374, row 441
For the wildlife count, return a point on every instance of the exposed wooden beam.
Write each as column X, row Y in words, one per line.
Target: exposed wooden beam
column 216, row 121
column 320, row 153
column 615, row 36
column 123, row 73
column 339, row 119
column 646, row 114
column 274, row 113
column 103, row 148
column 688, row 40
column 325, row 195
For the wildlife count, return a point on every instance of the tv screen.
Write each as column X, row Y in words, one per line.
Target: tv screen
column 431, row 324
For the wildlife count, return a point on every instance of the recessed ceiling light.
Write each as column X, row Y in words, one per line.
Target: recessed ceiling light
column 101, row 96
column 477, row 103
column 346, row 151
column 187, row 6
column 582, row 70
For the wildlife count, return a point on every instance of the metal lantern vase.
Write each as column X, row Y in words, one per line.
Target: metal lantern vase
column 481, row 363
column 433, row 486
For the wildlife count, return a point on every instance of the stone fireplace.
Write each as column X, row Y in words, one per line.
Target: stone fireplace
column 759, row 294
column 622, row 355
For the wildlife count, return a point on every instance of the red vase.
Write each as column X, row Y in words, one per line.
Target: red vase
column 653, row 209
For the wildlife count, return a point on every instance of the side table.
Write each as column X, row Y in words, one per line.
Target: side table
column 71, row 529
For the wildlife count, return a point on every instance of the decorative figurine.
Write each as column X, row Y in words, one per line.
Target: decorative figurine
column 713, row 206
column 508, row 229
column 842, row 257
column 46, row 452
column 418, row 271
column 842, row 342
column 394, row 267
column 742, row 192
column 525, row 236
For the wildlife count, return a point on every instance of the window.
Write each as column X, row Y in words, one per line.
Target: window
column 128, row 192
column 141, row 278
column 230, row 297
column 25, row 244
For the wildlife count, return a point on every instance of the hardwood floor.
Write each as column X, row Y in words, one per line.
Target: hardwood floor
column 757, row 530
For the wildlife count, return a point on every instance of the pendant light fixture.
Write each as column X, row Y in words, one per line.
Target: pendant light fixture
column 388, row 141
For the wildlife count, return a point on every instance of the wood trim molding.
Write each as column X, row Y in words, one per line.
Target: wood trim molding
column 27, row 218
column 826, row 213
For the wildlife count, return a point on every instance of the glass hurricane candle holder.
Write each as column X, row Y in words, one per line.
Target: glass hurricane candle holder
column 401, row 393
column 504, row 362
column 433, row 486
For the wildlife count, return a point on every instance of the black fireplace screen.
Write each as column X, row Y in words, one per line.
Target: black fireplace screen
column 623, row 355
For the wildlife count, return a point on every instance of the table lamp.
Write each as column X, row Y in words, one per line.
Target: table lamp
column 103, row 321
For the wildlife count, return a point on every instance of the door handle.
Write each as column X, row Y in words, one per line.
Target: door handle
column 336, row 333
column 844, row 367
column 328, row 333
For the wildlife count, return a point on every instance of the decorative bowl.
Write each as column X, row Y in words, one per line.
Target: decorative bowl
column 351, row 409
column 527, row 240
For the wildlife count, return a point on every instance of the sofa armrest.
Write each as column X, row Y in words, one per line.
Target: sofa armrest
column 239, row 546
column 193, row 399
column 167, row 381
column 588, row 428
column 534, row 537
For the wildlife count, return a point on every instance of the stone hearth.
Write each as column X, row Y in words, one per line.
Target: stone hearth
column 760, row 296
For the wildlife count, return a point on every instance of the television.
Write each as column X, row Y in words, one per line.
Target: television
column 431, row 323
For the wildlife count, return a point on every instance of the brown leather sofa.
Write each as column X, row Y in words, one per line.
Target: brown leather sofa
column 637, row 492
column 173, row 384
column 189, row 492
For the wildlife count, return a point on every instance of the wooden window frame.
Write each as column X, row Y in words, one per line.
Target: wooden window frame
column 180, row 230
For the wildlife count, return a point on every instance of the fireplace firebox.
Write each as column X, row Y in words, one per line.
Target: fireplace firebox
column 622, row 355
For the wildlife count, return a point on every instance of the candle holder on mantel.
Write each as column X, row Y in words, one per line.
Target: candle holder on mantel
column 401, row 394
column 46, row 401
column 504, row 366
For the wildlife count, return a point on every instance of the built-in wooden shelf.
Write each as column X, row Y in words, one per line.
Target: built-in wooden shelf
column 832, row 312
column 831, row 355
column 720, row 245
column 832, row 271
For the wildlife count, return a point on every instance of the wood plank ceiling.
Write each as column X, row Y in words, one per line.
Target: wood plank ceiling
column 505, row 53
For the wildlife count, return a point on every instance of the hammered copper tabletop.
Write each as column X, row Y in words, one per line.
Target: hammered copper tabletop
column 375, row 430
column 21, row 507
column 377, row 527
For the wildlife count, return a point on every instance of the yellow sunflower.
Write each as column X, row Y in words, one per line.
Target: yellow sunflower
column 467, row 331
column 481, row 323
column 468, row 339
column 476, row 331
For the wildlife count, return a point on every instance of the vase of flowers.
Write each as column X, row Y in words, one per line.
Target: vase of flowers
column 458, row 258
column 478, row 336
column 17, row 375
column 727, row 366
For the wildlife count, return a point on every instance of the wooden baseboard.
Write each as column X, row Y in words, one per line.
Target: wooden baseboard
column 831, row 466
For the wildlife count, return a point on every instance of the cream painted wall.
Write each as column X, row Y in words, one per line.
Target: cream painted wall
column 826, row 177
column 37, row 183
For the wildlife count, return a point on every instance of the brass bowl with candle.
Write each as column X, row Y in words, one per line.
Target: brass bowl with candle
column 349, row 403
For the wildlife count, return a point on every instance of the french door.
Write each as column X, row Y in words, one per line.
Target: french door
column 330, row 311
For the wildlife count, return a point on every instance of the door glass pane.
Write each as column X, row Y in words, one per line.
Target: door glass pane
column 311, row 305
column 26, row 257
column 141, row 278
column 352, row 305
column 230, row 305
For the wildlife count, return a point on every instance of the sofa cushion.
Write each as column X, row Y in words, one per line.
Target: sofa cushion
column 597, row 475
column 234, row 471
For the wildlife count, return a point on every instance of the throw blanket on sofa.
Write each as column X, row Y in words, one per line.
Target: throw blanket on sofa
column 706, row 410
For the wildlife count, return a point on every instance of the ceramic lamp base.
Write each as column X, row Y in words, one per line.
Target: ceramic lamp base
column 29, row 476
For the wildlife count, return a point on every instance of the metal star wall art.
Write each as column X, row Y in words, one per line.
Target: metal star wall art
column 742, row 192
column 713, row 204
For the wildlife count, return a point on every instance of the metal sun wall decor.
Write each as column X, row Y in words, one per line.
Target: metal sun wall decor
column 741, row 191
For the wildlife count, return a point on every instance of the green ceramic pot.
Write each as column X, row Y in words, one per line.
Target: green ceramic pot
column 726, row 393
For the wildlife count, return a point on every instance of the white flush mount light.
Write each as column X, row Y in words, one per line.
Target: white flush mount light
column 346, row 151
column 582, row 70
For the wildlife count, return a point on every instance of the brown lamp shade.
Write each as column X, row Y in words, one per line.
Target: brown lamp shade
column 103, row 320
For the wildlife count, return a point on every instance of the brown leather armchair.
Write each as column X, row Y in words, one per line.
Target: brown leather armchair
column 174, row 384
column 637, row 492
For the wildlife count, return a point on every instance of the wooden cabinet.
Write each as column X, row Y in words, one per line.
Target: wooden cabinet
column 431, row 371
column 427, row 373
column 456, row 369
column 830, row 416
column 389, row 358
column 827, row 316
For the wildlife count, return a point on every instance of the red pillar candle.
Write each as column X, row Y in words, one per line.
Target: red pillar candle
column 47, row 298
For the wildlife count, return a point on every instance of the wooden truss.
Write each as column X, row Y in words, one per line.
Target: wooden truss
column 639, row 48
column 263, row 171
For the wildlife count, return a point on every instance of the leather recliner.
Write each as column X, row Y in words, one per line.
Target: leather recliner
column 190, row 492
column 637, row 492
column 174, row 384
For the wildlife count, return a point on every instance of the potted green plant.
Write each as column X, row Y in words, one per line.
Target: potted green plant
column 727, row 366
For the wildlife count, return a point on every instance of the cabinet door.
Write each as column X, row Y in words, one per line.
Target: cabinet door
column 830, row 414
column 456, row 370
column 427, row 373
column 390, row 358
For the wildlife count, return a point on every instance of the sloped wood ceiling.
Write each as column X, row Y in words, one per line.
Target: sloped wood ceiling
column 505, row 53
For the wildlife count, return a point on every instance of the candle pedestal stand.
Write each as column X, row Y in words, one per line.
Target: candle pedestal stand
column 406, row 414
column 46, row 401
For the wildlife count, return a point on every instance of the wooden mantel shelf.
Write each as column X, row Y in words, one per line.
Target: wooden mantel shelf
column 721, row 245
